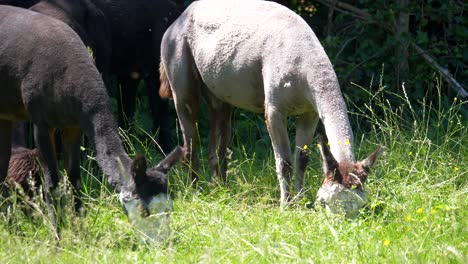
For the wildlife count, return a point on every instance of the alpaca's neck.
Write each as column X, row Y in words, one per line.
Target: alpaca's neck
column 339, row 134
column 334, row 115
column 110, row 153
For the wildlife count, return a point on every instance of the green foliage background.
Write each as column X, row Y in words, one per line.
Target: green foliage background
column 359, row 48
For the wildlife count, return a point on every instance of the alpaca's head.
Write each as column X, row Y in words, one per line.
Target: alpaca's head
column 343, row 191
column 149, row 204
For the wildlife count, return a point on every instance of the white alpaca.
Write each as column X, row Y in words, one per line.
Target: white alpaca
column 262, row 57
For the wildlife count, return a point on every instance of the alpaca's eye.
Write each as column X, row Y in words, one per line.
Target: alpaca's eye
column 355, row 177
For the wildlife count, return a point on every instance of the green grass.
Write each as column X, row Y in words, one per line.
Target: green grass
column 417, row 214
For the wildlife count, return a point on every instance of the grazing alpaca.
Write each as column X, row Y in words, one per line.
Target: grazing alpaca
column 262, row 57
column 48, row 77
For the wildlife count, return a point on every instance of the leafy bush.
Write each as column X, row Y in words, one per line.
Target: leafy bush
column 358, row 47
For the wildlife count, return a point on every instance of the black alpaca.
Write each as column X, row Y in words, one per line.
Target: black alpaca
column 125, row 37
column 48, row 78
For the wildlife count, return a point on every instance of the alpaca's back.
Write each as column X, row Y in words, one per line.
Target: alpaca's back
column 44, row 66
column 245, row 50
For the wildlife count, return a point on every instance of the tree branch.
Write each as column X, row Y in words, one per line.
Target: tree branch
column 356, row 12
column 445, row 73
column 353, row 11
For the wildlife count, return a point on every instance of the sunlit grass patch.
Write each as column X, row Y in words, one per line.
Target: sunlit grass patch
column 417, row 210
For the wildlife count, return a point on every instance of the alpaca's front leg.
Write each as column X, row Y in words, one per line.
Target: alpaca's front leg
column 305, row 129
column 71, row 138
column 43, row 136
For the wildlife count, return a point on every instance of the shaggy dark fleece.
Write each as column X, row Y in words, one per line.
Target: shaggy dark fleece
column 23, row 163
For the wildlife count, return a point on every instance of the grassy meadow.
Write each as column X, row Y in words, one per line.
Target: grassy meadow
column 417, row 212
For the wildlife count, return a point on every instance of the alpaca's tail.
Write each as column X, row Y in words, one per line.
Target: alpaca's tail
column 165, row 88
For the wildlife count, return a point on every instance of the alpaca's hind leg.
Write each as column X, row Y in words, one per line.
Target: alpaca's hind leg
column 305, row 129
column 71, row 140
column 186, row 91
column 5, row 153
column 43, row 136
column 277, row 128
column 187, row 113
column 220, row 135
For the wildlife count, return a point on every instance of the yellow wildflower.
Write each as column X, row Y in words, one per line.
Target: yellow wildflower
column 305, row 147
column 456, row 168
column 386, row 242
column 347, row 142
column 408, row 218
column 419, row 211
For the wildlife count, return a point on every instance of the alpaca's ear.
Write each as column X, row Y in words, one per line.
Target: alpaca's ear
column 139, row 168
column 370, row 161
column 170, row 160
column 330, row 165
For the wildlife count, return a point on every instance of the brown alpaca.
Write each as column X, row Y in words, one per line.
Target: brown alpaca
column 23, row 163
